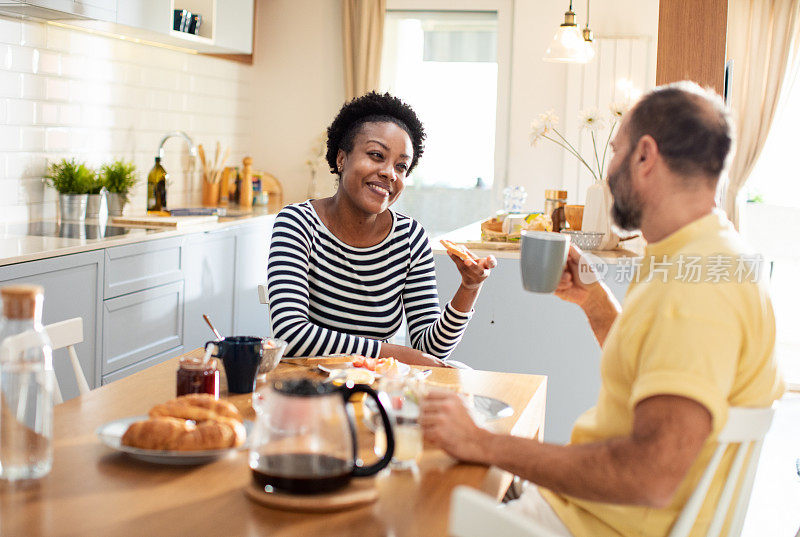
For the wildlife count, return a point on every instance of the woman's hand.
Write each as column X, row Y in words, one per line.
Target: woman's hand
column 474, row 271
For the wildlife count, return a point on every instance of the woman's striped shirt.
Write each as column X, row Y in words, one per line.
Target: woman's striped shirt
column 326, row 297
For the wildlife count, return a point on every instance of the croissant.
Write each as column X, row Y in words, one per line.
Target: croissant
column 188, row 423
column 158, row 433
column 196, row 407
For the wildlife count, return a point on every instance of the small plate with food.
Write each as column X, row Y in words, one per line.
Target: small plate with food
column 192, row 429
column 359, row 368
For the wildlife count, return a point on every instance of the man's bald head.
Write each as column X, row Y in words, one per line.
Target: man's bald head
column 691, row 127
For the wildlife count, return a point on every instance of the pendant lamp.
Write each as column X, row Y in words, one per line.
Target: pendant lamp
column 569, row 45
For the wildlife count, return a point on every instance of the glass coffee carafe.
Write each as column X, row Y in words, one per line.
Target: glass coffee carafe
column 305, row 440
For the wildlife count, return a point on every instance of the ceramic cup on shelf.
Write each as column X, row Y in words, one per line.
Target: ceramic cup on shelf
column 543, row 256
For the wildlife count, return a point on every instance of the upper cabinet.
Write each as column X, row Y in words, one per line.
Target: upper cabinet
column 226, row 26
column 103, row 10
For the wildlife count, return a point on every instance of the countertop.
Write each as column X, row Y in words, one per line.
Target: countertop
column 628, row 250
column 19, row 248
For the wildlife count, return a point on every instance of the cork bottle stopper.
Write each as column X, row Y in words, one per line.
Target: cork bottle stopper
column 20, row 301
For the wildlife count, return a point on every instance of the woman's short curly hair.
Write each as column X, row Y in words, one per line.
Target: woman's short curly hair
column 373, row 107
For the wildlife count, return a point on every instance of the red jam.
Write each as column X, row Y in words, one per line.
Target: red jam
column 194, row 376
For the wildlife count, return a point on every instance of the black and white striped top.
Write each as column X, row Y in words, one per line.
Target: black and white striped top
column 326, row 297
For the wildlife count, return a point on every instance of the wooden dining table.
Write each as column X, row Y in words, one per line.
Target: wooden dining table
column 94, row 490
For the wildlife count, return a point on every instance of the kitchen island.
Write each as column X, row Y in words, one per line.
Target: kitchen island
column 515, row 331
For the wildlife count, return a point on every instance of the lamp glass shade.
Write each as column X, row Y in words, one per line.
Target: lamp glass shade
column 568, row 46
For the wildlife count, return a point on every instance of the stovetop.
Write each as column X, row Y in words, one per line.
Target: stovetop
column 69, row 230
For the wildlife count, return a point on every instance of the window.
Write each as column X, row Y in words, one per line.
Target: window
column 771, row 222
column 444, row 64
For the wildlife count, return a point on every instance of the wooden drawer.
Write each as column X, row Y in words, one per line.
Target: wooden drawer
column 134, row 267
column 140, row 325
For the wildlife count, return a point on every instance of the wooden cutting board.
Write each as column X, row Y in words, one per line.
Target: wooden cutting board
column 488, row 245
column 162, row 221
column 358, row 492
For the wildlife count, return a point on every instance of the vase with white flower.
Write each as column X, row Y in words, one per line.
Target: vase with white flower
column 597, row 210
column 319, row 168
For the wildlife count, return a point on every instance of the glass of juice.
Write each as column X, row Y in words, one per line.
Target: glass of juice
column 403, row 397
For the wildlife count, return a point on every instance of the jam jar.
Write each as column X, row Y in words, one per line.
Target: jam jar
column 194, row 376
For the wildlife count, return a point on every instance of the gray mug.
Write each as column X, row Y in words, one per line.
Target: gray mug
column 542, row 259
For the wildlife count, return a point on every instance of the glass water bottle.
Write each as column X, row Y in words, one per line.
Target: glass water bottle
column 157, row 187
column 26, row 386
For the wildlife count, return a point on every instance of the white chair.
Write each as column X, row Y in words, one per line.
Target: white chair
column 262, row 294
column 63, row 334
column 473, row 514
column 746, row 427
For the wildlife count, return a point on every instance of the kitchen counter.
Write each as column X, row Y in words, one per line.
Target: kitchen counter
column 625, row 252
column 16, row 247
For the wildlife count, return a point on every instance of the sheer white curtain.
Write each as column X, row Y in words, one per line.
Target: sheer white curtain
column 362, row 29
column 763, row 41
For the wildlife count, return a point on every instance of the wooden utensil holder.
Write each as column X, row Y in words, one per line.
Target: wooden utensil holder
column 210, row 193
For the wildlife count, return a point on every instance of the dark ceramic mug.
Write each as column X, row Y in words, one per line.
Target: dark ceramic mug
column 241, row 356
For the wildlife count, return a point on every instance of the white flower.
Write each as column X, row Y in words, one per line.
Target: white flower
column 549, row 118
column 591, row 119
column 618, row 109
column 538, row 130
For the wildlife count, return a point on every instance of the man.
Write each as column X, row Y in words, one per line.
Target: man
column 687, row 345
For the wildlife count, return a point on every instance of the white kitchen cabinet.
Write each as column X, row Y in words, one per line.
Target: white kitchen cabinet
column 251, row 317
column 73, row 287
column 227, row 26
column 140, row 325
column 100, row 10
column 515, row 331
column 142, row 303
column 233, row 26
column 209, row 261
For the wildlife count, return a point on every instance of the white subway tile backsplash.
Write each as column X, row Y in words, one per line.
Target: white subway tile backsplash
column 70, row 114
column 49, row 63
column 33, row 34
column 9, row 138
column 24, row 59
column 10, row 84
column 10, row 31
column 65, row 93
column 21, row 112
column 31, row 138
column 57, row 89
column 33, row 87
column 57, row 139
column 73, row 66
column 46, row 113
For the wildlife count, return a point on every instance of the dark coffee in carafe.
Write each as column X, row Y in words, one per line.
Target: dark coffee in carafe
column 302, row 473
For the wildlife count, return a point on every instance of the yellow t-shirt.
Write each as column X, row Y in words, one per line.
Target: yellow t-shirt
column 696, row 322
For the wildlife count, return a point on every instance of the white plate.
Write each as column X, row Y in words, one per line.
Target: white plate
column 484, row 409
column 402, row 369
column 111, row 435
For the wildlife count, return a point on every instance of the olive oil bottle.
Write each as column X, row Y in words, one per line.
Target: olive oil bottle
column 157, row 188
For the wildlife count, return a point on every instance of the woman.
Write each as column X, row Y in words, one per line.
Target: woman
column 342, row 270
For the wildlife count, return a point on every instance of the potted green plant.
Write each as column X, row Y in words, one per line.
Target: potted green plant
column 95, row 198
column 72, row 180
column 118, row 177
